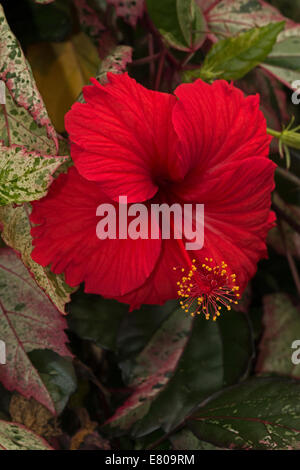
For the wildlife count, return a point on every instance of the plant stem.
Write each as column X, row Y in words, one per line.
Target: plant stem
column 160, row 69
column 146, row 60
column 151, row 54
column 273, row 133
column 291, row 261
column 288, row 175
column 286, row 217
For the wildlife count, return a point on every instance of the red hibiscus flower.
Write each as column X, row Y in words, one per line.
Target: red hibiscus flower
column 207, row 144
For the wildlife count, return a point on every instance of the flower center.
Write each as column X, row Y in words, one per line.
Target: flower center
column 206, row 288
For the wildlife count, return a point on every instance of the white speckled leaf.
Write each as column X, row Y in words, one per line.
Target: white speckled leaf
column 228, row 17
column 14, row 436
column 24, row 122
column 261, row 413
column 16, row 234
column 89, row 20
column 116, row 62
column 28, row 321
column 25, row 176
column 17, row 126
column 17, row 75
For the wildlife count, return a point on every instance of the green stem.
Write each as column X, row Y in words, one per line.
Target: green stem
column 274, row 133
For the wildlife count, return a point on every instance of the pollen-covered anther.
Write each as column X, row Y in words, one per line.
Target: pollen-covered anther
column 206, row 288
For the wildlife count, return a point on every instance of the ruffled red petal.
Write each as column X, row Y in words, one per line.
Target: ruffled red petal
column 162, row 284
column 237, row 220
column 66, row 239
column 237, row 215
column 123, row 138
column 215, row 125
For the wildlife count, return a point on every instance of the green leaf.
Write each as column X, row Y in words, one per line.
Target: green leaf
column 137, row 329
column 257, row 414
column 151, row 369
column 108, row 324
column 281, row 322
column 211, row 355
column 181, row 23
column 232, row 58
column 228, row 17
column 217, row 354
column 58, row 375
column 186, row 440
column 96, row 319
column 25, row 176
column 14, row 436
column 192, row 22
column 284, row 60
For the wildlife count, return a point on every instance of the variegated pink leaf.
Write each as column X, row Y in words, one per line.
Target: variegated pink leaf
column 28, row 321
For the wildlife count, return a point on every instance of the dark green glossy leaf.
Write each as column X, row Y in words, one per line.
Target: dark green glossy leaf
column 257, row 414
column 137, row 329
column 217, row 355
column 58, row 375
column 96, row 319
column 209, row 356
column 186, row 440
column 149, row 371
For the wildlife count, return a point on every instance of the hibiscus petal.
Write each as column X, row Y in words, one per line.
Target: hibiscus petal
column 66, row 239
column 123, row 138
column 162, row 284
column 215, row 125
column 237, row 215
column 236, row 222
